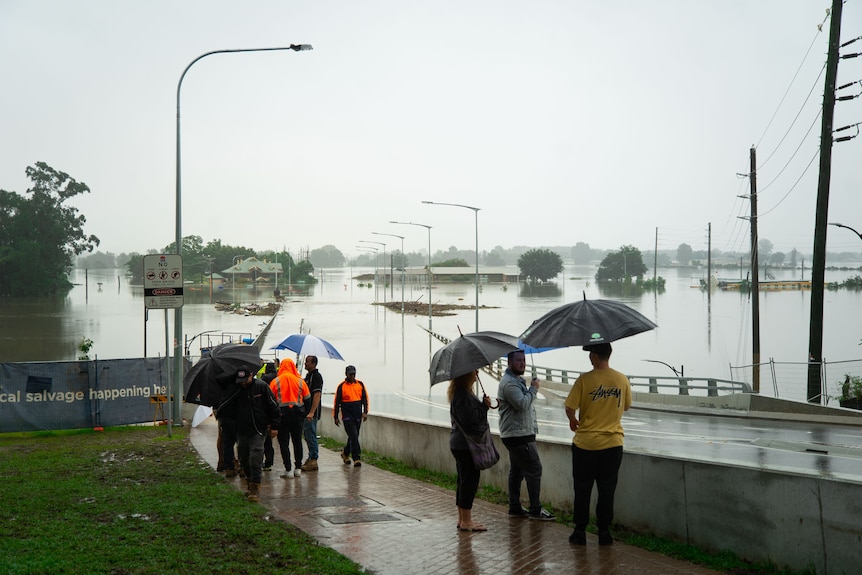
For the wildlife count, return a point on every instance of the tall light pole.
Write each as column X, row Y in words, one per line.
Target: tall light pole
column 427, row 277
column 375, row 250
column 848, row 227
column 476, row 214
column 178, row 312
column 384, row 264
column 402, row 263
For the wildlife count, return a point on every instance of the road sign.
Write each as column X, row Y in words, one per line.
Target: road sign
column 163, row 281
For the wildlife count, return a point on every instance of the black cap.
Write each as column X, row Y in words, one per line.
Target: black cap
column 350, row 370
column 602, row 349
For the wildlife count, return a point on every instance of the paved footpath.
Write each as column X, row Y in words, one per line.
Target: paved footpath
column 390, row 524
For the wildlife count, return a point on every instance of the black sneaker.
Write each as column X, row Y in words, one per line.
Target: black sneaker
column 518, row 512
column 578, row 537
column 543, row 515
column 605, row 538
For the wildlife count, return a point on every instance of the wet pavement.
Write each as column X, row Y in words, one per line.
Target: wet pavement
column 391, row 524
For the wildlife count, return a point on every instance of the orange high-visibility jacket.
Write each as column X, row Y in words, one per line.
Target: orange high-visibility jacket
column 288, row 387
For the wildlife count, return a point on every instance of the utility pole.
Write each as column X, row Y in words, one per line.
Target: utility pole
column 709, row 261
column 655, row 262
column 818, row 266
column 755, row 277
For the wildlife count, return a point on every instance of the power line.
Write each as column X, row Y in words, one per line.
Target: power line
column 805, row 57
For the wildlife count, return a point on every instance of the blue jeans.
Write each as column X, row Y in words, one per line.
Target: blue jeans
column 309, row 430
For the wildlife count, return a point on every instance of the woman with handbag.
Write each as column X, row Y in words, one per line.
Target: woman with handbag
column 469, row 417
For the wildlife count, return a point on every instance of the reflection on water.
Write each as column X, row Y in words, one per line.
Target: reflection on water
column 705, row 334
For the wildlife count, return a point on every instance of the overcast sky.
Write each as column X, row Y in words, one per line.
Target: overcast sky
column 564, row 121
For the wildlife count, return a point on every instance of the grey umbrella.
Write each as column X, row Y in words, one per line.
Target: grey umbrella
column 586, row 322
column 470, row 352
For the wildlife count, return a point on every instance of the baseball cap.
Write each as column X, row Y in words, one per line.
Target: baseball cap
column 242, row 375
column 602, row 349
column 350, row 370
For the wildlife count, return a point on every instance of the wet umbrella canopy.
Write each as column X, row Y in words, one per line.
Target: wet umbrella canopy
column 586, row 322
column 215, row 374
column 470, row 352
column 307, row 344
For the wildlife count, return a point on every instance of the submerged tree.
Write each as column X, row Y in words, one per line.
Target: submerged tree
column 540, row 264
column 39, row 235
column 621, row 266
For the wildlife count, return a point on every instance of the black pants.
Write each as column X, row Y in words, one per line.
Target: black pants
column 290, row 431
column 602, row 468
column 468, row 478
column 524, row 465
column 352, row 449
column 228, row 442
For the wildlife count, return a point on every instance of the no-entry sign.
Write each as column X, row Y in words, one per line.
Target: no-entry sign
column 163, row 281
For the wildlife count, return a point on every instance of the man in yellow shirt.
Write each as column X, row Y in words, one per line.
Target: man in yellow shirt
column 595, row 409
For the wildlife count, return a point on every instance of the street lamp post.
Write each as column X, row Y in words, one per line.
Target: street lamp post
column 427, row 278
column 384, row 264
column 402, row 263
column 402, row 298
column 177, row 374
column 476, row 215
column 837, row 225
column 375, row 250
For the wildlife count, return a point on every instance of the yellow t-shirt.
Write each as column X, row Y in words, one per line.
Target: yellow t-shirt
column 600, row 397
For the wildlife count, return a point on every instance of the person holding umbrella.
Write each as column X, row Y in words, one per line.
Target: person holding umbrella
column 469, row 415
column 255, row 414
column 595, row 407
column 518, row 429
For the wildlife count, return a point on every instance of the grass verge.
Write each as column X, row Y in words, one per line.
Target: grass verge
column 133, row 501
column 725, row 562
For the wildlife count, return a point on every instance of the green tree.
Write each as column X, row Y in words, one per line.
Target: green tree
column 135, row 268
column 452, row 263
column 39, row 235
column 303, row 273
column 540, row 264
column 327, row 256
column 684, row 254
column 621, row 266
column 582, row 253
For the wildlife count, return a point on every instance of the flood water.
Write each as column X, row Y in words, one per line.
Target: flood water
column 703, row 335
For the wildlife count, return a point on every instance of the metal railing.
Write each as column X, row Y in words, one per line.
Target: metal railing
column 708, row 386
column 787, row 375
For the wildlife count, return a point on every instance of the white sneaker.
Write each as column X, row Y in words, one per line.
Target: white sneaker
column 297, row 472
column 286, row 473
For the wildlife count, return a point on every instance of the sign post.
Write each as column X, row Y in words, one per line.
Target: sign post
column 163, row 289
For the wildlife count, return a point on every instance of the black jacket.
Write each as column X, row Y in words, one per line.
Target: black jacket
column 253, row 408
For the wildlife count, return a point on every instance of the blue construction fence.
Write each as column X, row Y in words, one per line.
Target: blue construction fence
column 36, row 396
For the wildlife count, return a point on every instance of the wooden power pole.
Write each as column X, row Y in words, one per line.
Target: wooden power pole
column 818, row 266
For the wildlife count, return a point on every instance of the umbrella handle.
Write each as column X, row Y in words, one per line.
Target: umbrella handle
column 482, row 387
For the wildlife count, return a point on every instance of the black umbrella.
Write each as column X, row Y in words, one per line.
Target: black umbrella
column 584, row 323
column 470, row 352
column 215, row 374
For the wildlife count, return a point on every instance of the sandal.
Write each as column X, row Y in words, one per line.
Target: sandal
column 477, row 527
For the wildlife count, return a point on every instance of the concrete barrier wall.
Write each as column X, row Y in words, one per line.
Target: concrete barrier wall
column 793, row 521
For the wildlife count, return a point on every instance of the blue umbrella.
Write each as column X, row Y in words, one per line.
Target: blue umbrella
column 307, row 344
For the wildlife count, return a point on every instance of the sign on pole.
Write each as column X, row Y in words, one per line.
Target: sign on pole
column 163, row 281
